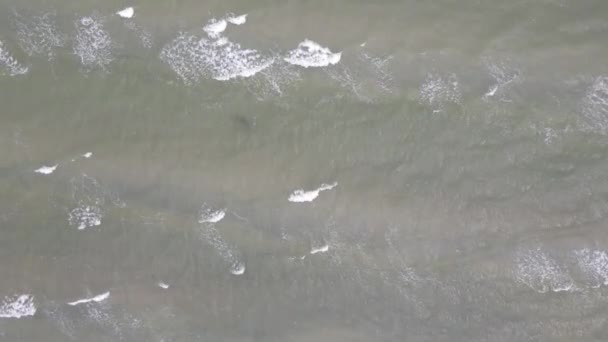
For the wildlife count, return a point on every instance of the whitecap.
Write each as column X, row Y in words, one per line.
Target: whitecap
column 311, row 54
column 321, row 249
column 8, row 62
column 88, row 155
column 46, row 170
column 303, row 196
column 163, row 285
column 215, row 27
column 209, row 215
column 126, row 13
column 492, row 91
column 238, row 20
column 21, row 306
column 237, row 268
column 300, row 195
column 97, row 299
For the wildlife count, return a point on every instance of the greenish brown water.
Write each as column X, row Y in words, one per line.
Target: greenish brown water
column 451, row 157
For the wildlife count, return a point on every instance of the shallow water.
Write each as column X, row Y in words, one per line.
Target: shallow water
column 296, row 171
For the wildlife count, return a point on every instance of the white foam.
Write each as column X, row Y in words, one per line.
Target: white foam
column 85, row 216
column 272, row 81
column 437, row 91
column 21, row 306
column 368, row 77
column 7, row 61
column 92, row 44
column 215, row 27
column 194, row 58
column 213, row 237
column 38, row 35
column 97, row 299
column 61, row 318
column 321, row 249
column 90, row 200
column 237, row 268
column 126, row 13
column 300, row 195
column 88, row 155
column 47, row 170
column 594, row 264
column 596, row 105
column 208, row 215
column 492, row 91
column 238, row 20
column 549, row 135
column 163, row 285
column 542, row 273
column 502, row 74
column 311, row 54
column 145, row 37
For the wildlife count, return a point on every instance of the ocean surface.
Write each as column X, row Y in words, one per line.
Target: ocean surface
column 312, row 170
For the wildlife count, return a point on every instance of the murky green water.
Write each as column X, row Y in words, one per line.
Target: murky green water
column 312, row 171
